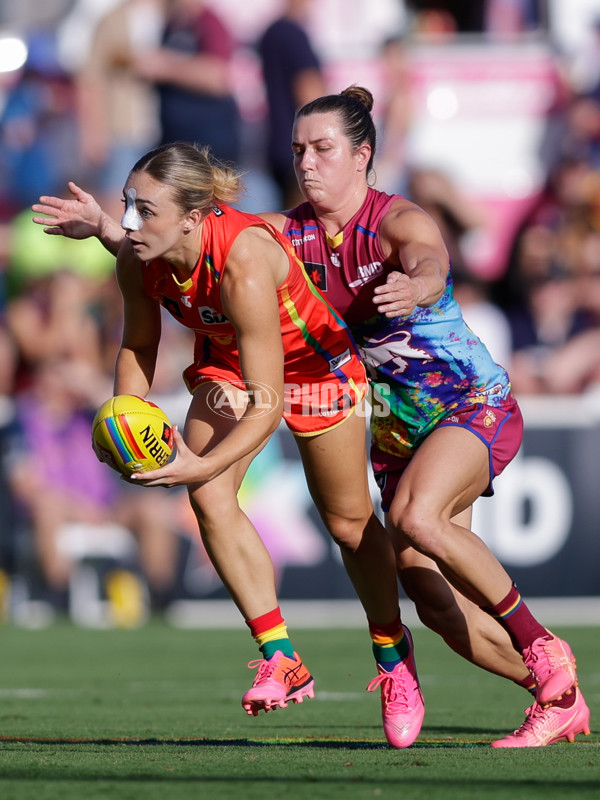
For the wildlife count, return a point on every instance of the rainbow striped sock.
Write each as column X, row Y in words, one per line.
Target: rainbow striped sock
column 270, row 633
column 390, row 645
column 528, row 684
column 517, row 620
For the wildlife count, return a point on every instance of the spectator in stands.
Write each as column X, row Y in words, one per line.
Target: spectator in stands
column 574, row 368
column 390, row 167
column 455, row 214
column 65, row 342
column 293, row 76
column 118, row 110
column 37, row 127
column 539, row 290
column 7, row 415
column 57, row 479
column 51, row 319
column 543, row 315
column 499, row 18
column 191, row 71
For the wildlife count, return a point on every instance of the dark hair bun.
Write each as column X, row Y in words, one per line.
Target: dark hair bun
column 360, row 94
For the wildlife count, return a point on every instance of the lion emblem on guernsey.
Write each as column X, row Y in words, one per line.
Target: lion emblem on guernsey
column 395, row 348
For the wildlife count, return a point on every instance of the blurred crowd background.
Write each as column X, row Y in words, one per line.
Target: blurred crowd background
column 488, row 116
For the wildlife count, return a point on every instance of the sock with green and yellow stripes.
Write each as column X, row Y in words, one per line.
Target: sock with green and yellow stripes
column 270, row 633
column 390, row 645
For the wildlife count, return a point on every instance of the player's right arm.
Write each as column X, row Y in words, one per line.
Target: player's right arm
column 136, row 360
column 78, row 218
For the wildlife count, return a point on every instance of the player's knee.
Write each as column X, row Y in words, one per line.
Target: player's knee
column 346, row 531
column 211, row 506
column 421, row 528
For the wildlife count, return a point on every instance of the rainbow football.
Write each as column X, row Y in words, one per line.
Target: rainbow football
column 131, row 434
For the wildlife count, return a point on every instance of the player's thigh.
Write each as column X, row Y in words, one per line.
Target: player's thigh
column 449, row 470
column 208, row 422
column 206, row 425
column 335, row 464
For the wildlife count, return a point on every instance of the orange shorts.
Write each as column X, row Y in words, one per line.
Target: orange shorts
column 309, row 408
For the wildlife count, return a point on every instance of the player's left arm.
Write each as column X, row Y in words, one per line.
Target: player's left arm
column 413, row 240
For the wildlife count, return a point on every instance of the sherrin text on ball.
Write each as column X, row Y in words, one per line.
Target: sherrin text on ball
column 131, row 434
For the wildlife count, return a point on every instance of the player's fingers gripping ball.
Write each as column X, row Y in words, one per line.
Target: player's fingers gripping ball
column 131, row 434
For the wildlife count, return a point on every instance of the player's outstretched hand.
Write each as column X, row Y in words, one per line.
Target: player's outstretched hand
column 184, row 469
column 76, row 218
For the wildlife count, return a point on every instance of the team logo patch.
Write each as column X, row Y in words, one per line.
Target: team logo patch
column 172, row 307
column 317, row 273
column 489, row 419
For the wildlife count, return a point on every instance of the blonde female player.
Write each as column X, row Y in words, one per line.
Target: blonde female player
column 262, row 331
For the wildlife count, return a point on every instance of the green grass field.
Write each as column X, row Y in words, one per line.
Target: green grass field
column 155, row 713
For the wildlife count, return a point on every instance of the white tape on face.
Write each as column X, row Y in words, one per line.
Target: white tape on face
column 131, row 219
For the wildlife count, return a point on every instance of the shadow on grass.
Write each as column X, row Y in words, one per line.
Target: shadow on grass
column 284, row 741
column 268, row 742
column 477, row 787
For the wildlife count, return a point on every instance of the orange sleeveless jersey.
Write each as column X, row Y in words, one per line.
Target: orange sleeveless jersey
column 324, row 378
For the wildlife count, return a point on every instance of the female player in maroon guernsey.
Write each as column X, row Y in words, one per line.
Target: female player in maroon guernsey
column 381, row 262
column 267, row 345
column 447, row 422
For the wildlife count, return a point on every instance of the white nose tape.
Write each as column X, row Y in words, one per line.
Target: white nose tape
column 131, row 219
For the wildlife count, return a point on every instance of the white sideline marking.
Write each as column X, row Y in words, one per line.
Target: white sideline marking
column 310, row 614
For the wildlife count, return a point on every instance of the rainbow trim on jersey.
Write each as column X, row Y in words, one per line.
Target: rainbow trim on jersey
column 307, row 336
column 211, row 267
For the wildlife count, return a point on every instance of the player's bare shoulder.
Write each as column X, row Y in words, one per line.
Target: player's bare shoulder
column 256, row 251
column 402, row 217
column 406, row 222
column 274, row 218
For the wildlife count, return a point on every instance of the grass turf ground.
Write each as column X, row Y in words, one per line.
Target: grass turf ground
column 155, row 713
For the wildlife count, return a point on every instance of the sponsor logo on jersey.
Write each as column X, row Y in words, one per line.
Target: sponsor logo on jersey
column 210, row 316
column 367, row 272
column 496, row 389
column 339, row 361
column 308, row 237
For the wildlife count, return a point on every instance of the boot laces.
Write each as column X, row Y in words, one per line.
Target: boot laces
column 265, row 669
column 393, row 690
